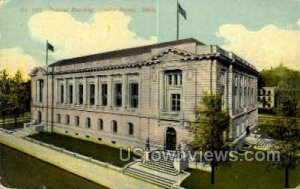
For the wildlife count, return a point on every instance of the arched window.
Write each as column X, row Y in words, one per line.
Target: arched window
column 100, row 124
column 88, row 122
column 77, row 121
column 67, row 120
column 114, row 126
column 130, row 129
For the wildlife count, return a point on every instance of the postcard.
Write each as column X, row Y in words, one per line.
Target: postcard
column 127, row 94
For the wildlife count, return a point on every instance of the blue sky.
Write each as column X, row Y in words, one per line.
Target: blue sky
column 266, row 32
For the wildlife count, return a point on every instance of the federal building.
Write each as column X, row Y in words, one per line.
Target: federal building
column 133, row 96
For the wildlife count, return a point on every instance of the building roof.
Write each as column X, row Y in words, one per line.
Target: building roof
column 122, row 52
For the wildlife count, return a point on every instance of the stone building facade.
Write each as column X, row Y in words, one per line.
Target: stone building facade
column 125, row 97
column 267, row 97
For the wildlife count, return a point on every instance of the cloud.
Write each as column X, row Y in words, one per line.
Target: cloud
column 2, row 2
column 105, row 31
column 265, row 48
column 14, row 59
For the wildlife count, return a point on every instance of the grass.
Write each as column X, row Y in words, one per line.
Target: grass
column 97, row 151
column 250, row 175
column 12, row 126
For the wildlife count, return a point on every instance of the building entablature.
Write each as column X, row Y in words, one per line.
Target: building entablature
column 201, row 52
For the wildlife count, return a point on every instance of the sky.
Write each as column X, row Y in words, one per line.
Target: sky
column 265, row 33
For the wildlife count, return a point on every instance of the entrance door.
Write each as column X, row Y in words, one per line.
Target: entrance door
column 171, row 139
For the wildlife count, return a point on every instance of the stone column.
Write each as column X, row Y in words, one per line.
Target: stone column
column 56, row 95
column 65, row 91
column 97, row 91
column 74, row 91
column 109, row 91
column 100, row 91
column 124, row 91
column 242, row 90
column 85, row 91
column 230, row 90
column 161, row 99
column 38, row 91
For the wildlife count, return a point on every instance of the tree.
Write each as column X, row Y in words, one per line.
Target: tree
column 285, row 130
column 5, row 85
column 208, row 129
column 18, row 97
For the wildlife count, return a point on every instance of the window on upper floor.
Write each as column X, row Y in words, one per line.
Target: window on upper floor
column 91, row 94
column 62, row 93
column 118, row 94
column 235, row 84
column 104, row 94
column 133, row 95
column 223, row 87
column 41, row 90
column 174, row 77
column 175, row 102
column 70, row 94
column 80, row 95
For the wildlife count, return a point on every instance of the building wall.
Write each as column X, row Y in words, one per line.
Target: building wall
column 151, row 119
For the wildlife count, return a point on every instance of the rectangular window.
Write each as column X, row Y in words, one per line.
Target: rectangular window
column 92, row 94
column 104, row 94
column 174, row 78
column 235, row 85
column 130, row 128
column 70, row 94
column 134, row 95
column 41, row 89
column 62, row 93
column 175, row 102
column 223, row 83
column 80, row 91
column 118, row 94
column 170, row 79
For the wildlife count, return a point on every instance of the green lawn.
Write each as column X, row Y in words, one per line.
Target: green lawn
column 97, row 151
column 245, row 175
column 12, row 126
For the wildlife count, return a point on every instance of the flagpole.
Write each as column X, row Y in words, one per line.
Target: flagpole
column 47, row 85
column 177, row 31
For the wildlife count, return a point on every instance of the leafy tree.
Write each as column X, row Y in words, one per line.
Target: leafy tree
column 285, row 130
column 18, row 97
column 281, row 77
column 5, row 85
column 208, row 129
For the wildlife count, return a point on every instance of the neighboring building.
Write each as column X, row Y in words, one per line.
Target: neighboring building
column 125, row 97
column 267, row 97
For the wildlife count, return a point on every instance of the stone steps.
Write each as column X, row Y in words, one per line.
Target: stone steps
column 149, row 177
column 157, row 167
column 160, row 163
